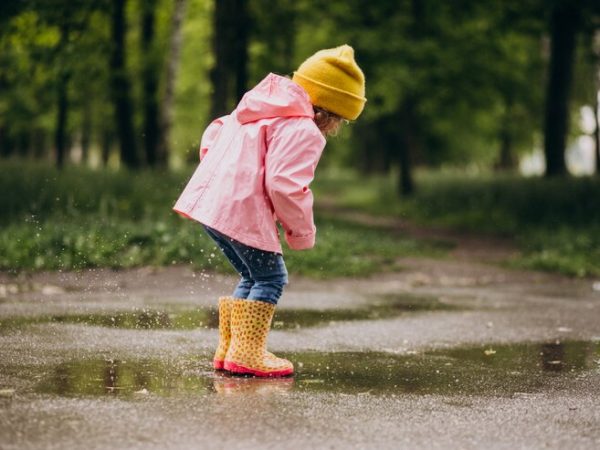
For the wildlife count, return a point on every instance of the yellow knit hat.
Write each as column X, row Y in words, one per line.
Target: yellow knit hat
column 334, row 81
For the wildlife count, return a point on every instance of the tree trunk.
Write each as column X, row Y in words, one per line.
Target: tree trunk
column 120, row 88
column 406, row 185
column 407, row 145
column 106, row 144
column 372, row 145
column 407, row 110
column 221, row 42
column 150, row 84
column 5, row 147
column 229, row 75
column 596, row 102
column 166, row 115
column 61, row 120
column 507, row 159
column 597, row 134
column 86, row 131
column 563, row 31
column 289, row 38
column 242, row 25
column 62, row 102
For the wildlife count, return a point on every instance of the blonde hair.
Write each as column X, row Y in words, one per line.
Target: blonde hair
column 328, row 122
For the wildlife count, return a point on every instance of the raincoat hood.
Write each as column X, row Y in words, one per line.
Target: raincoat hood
column 274, row 96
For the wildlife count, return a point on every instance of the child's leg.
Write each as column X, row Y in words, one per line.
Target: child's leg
column 225, row 243
column 250, row 321
column 263, row 273
column 267, row 270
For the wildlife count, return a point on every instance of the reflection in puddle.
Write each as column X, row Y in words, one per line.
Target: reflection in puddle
column 124, row 377
column 473, row 370
column 382, row 307
column 226, row 384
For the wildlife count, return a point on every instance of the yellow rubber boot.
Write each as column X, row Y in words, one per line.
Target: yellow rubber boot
column 250, row 324
column 225, row 304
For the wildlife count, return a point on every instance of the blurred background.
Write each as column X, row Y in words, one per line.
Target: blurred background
column 482, row 117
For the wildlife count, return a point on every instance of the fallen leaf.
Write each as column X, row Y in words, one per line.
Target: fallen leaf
column 6, row 393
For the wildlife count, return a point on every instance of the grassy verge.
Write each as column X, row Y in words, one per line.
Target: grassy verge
column 556, row 222
column 82, row 218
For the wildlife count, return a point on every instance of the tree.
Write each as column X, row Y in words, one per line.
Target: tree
column 594, row 56
column 564, row 23
column 229, row 76
column 166, row 113
column 62, row 97
column 41, row 53
column 151, row 135
column 120, row 87
column 597, row 133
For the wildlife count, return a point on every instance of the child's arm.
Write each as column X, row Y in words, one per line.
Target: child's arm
column 209, row 135
column 290, row 162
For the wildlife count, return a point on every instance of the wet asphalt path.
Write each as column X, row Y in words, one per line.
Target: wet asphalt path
column 446, row 354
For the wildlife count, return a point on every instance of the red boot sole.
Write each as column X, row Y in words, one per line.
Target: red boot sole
column 241, row 370
column 218, row 365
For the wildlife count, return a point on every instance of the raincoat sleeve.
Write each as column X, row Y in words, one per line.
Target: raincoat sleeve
column 209, row 136
column 290, row 163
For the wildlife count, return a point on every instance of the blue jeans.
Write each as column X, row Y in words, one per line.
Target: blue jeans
column 263, row 273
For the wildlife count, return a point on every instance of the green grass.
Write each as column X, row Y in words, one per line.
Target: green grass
column 495, row 203
column 572, row 251
column 81, row 218
column 555, row 222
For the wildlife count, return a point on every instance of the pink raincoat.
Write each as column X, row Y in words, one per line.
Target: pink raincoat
column 256, row 167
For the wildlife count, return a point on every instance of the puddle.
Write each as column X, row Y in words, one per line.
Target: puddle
column 480, row 370
column 384, row 307
column 285, row 319
column 135, row 319
column 125, row 378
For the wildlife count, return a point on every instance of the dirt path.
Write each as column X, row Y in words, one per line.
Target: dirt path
column 470, row 247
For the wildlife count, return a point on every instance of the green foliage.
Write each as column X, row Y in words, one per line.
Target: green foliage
column 473, row 72
column 79, row 218
column 569, row 250
column 498, row 203
column 346, row 249
column 508, row 203
column 192, row 91
column 556, row 222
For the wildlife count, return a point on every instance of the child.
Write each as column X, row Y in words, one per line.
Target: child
column 256, row 167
